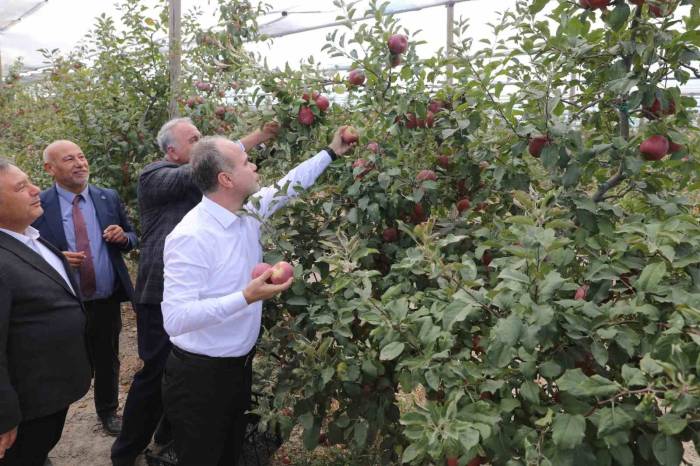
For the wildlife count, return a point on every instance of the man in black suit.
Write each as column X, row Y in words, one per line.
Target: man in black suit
column 44, row 364
column 89, row 225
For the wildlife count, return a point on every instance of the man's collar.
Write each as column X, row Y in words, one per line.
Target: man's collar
column 29, row 234
column 68, row 196
column 222, row 215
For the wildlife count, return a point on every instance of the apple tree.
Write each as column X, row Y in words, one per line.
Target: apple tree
column 506, row 269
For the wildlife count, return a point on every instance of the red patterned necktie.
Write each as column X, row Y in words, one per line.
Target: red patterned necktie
column 82, row 244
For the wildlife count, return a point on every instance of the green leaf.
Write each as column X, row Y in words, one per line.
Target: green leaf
column 672, row 424
column 576, row 383
column 537, row 6
column 568, row 430
column 530, row 391
column 618, row 17
column 667, row 450
column 410, row 453
column 391, row 351
column 651, row 277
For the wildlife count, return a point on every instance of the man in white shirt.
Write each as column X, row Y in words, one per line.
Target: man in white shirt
column 211, row 307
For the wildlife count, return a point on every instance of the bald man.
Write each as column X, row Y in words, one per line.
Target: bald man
column 89, row 225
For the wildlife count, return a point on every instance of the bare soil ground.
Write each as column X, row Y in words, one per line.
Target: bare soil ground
column 84, row 443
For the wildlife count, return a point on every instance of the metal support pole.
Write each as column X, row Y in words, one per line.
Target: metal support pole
column 175, row 47
column 450, row 38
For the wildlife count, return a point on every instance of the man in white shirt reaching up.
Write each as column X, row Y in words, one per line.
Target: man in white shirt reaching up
column 211, row 308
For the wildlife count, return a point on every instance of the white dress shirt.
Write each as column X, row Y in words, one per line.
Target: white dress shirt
column 209, row 257
column 31, row 239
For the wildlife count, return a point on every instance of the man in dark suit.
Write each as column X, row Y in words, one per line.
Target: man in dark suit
column 89, row 225
column 44, row 364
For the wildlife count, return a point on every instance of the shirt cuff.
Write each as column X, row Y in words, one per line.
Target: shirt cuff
column 232, row 302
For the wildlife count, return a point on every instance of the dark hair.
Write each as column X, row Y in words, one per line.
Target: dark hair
column 207, row 162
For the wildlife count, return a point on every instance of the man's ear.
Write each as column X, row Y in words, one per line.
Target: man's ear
column 224, row 179
column 48, row 168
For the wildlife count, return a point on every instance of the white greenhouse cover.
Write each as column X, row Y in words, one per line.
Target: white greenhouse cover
column 61, row 24
column 29, row 25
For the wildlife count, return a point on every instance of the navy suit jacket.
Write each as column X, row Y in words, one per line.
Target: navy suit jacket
column 110, row 211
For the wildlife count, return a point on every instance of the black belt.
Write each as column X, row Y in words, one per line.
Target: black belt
column 213, row 361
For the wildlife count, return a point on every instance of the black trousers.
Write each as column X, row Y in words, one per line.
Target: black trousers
column 143, row 407
column 104, row 323
column 35, row 439
column 205, row 400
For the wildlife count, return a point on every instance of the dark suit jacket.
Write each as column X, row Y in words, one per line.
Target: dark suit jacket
column 44, row 363
column 110, row 211
column 166, row 193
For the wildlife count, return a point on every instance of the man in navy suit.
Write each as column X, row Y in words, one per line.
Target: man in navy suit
column 89, row 225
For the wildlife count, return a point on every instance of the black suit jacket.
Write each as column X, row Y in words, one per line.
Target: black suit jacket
column 44, row 363
column 166, row 193
column 110, row 211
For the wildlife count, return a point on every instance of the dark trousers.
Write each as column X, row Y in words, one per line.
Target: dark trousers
column 205, row 400
column 104, row 323
column 35, row 439
column 143, row 408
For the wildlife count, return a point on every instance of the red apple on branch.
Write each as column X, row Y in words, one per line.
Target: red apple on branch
column 452, row 461
column 443, row 161
column 373, row 147
column 398, row 43
column 356, row 77
column 654, row 147
column 322, row 103
column 306, row 116
column 362, row 163
column 581, row 293
column 463, row 204
column 424, row 175
column 536, row 145
column 390, row 234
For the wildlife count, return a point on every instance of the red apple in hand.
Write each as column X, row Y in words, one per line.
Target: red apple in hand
column 398, row 43
column 356, row 78
column 260, row 269
column 654, row 147
column 349, row 135
column 306, row 116
column 281, row 272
